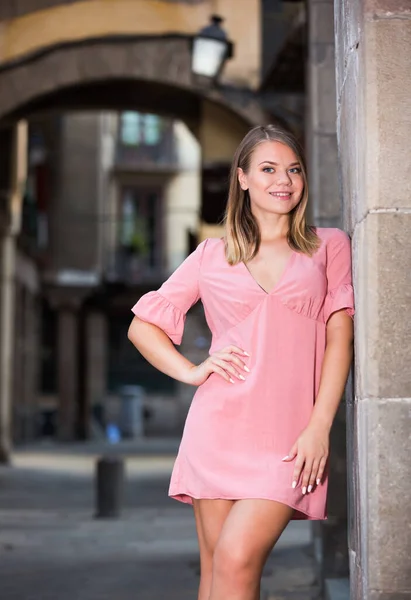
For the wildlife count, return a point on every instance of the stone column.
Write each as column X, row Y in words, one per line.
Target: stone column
column 373, row 41
column 68, row 382
column 321, row 144
column 7, row 255
column 12, row 188
column 96, row 343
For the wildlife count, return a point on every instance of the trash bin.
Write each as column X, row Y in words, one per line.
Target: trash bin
column 132, row 411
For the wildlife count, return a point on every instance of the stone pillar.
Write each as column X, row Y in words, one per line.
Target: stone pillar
column 373, row 41
column 96, row 364
column 8, row 254
column 68, row 381
column 321, row 143
column 12, row 188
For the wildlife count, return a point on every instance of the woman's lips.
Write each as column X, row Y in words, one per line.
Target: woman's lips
column 281, row 195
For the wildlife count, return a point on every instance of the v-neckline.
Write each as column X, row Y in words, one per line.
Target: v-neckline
column 286, row 268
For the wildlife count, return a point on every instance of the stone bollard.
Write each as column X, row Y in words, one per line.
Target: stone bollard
column 109, row 485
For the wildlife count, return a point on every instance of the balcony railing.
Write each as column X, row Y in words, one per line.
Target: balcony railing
column 159, row 156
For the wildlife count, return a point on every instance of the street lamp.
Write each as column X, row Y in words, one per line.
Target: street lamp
column 211, row 49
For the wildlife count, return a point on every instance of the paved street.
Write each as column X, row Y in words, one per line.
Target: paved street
column 51, row 547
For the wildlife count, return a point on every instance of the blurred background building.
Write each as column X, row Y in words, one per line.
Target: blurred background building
column 118, row 123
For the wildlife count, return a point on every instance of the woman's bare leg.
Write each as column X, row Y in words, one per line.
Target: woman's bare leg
column 210, row 516
column 249, row 532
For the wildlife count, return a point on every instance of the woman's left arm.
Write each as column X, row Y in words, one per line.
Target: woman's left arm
column 336, row 365
column 312, row 446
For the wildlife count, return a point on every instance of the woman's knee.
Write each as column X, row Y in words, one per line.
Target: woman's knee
column 234, row 564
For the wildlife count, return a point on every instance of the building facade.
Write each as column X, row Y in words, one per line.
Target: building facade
column 338, row 75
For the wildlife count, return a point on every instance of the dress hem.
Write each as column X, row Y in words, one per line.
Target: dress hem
column 187, row 498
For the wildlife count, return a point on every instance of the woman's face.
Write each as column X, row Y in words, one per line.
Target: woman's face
column 274, row 179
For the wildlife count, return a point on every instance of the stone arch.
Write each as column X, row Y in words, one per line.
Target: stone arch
column 151, row 64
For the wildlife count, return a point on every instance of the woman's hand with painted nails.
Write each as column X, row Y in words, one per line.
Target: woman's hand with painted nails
column 311, row 453
column 226, row 363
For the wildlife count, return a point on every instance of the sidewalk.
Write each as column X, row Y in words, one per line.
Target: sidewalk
column 51, row 547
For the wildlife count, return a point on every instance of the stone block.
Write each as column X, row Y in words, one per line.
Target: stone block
column 353, row 486
column 321, row 22
column 390, row 8
column 321, row 80
column 51, row 66
column 356, row 578
column 377, row 595
column 348, row 35
column 381, row 256
column 103, row 60
column 385, row 472
column 30, row 81
column 388, row 113
column 351, row 143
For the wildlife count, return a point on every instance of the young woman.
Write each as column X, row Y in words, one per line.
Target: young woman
column 278, row 299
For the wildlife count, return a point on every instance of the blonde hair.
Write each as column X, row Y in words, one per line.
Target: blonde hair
column 242, row 233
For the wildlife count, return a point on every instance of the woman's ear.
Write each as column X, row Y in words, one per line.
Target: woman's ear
column 242, row 179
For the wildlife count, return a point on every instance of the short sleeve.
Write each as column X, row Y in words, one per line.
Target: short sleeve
column 167, row 307
column 340, row 293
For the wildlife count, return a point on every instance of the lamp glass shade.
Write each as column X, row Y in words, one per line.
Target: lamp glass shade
column 208, row 56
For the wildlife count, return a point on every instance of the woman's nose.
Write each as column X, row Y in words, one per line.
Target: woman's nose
column 283, row 177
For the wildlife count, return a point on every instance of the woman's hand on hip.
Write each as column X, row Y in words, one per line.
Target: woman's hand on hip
column 225, row 362
column 311, row 453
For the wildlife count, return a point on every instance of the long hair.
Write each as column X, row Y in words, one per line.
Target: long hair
column 242, row 233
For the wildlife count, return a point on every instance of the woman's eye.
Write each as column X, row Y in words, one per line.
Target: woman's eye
column 268, row 170
column 295, row 170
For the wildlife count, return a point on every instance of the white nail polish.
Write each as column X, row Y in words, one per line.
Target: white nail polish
column 310, row 487
column 246, row 353
column 318, row 481
column 232, row 380
column 285, row 457
column 304, row 489
column 294, row 484
column 246, row 368
column 241, row 377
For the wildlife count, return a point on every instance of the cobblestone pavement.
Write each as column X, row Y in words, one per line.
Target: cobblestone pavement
column 52, row 548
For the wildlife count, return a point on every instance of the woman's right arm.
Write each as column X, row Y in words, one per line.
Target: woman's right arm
column 156, row 347
column 159, row 323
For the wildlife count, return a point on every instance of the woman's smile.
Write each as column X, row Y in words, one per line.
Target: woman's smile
column 281, row 195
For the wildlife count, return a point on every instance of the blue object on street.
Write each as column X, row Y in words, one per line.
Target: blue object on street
column 113, row 433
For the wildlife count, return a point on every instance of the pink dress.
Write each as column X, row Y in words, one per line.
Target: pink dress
column 236, row 435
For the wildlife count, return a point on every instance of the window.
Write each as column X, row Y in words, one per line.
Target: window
column 137, row 129
column 130, row 128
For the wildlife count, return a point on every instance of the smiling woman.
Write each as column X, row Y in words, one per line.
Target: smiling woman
column 278, row 299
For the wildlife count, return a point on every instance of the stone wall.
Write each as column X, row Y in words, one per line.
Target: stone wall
column 373, row 40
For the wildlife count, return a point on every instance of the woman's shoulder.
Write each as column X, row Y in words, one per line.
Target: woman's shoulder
column 332, row 235
column 211, row 250
column 211, row 244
